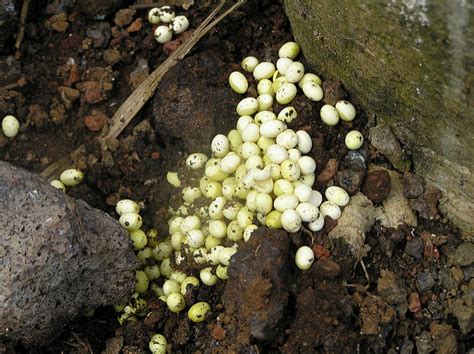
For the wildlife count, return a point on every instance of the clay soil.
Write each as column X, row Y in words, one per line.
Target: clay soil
column 75, row 78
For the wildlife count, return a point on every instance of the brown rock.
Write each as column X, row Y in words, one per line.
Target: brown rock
column 321, row 251
column 193, row 100
column 257, row 290
column 329, row 223
column 328, row 173
column 98, row 35
column 377, row 186
column 68, row 95
column 91, row 91
column 114, row 345
column 413, row 185
column 350, row 180
column 218, row 333
column 414, row 304
column 444, row 338
column 333, row 92
column 96, row 122
column 320, row 323
column 171, row 46
column 36, row 116
column 58, row 22
column 326, row 268
column 57, row 111
column 390, row 289
column 427, row 204
column 124, row 17
column 135, row 26
column 376, row 316
column 73, row 75
column 111, row 56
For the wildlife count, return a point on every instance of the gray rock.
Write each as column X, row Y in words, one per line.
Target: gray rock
column 58, row 258
column 8, row 22
column 464, row 254
column 356, row 159
column 424, row 281
column 385, row 141
column 414, row 248
column 447, row 280
column 424, row 343
column 100, row 34
column 390, row 288
column 468, row 272
column 464, row 315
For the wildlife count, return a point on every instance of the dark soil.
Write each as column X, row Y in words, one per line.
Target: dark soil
column 91, row 68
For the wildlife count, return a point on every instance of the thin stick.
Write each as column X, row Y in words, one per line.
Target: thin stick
column 160, row 3
column 21, row 30
column 127, row 111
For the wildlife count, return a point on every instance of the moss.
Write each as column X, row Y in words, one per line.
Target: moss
column 411, row 66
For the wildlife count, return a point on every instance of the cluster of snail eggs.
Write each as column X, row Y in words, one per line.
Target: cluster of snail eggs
column 168, row 24
column 258, row 174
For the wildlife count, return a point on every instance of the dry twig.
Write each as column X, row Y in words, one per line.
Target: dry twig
column 21, row 29
column 127, row 111
column 185, row 4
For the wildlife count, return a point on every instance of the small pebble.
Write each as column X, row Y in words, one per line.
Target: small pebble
column 377, row 186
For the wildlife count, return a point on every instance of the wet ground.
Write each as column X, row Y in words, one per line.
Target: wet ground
column 417, row 291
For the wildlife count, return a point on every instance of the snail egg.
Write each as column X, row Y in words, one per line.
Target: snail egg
column 308, row 77
column 304, row 141
column 220, row 145
column 290, row 221
column 313, row 91
column 272, row 128
column 287, row 114
column 238, row 82
column 247, row 106
column 179, row 24
column 285, row 201
column 163, row 34
column 307, row 212
column 307, row 165
column 287, row 139
column 294, row 72
column 329, row 115
column 289, row 50
column 337, row 195
column 264, row 86
column 330, row 209
column 277, row 154
column 283, row 64
column 346, row 110
column 264, row 70
column 286, row 93
column 249, row 63
column 354, row 140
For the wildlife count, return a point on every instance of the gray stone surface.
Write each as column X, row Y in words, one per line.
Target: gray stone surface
column 58, row 258
column 409, row 64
